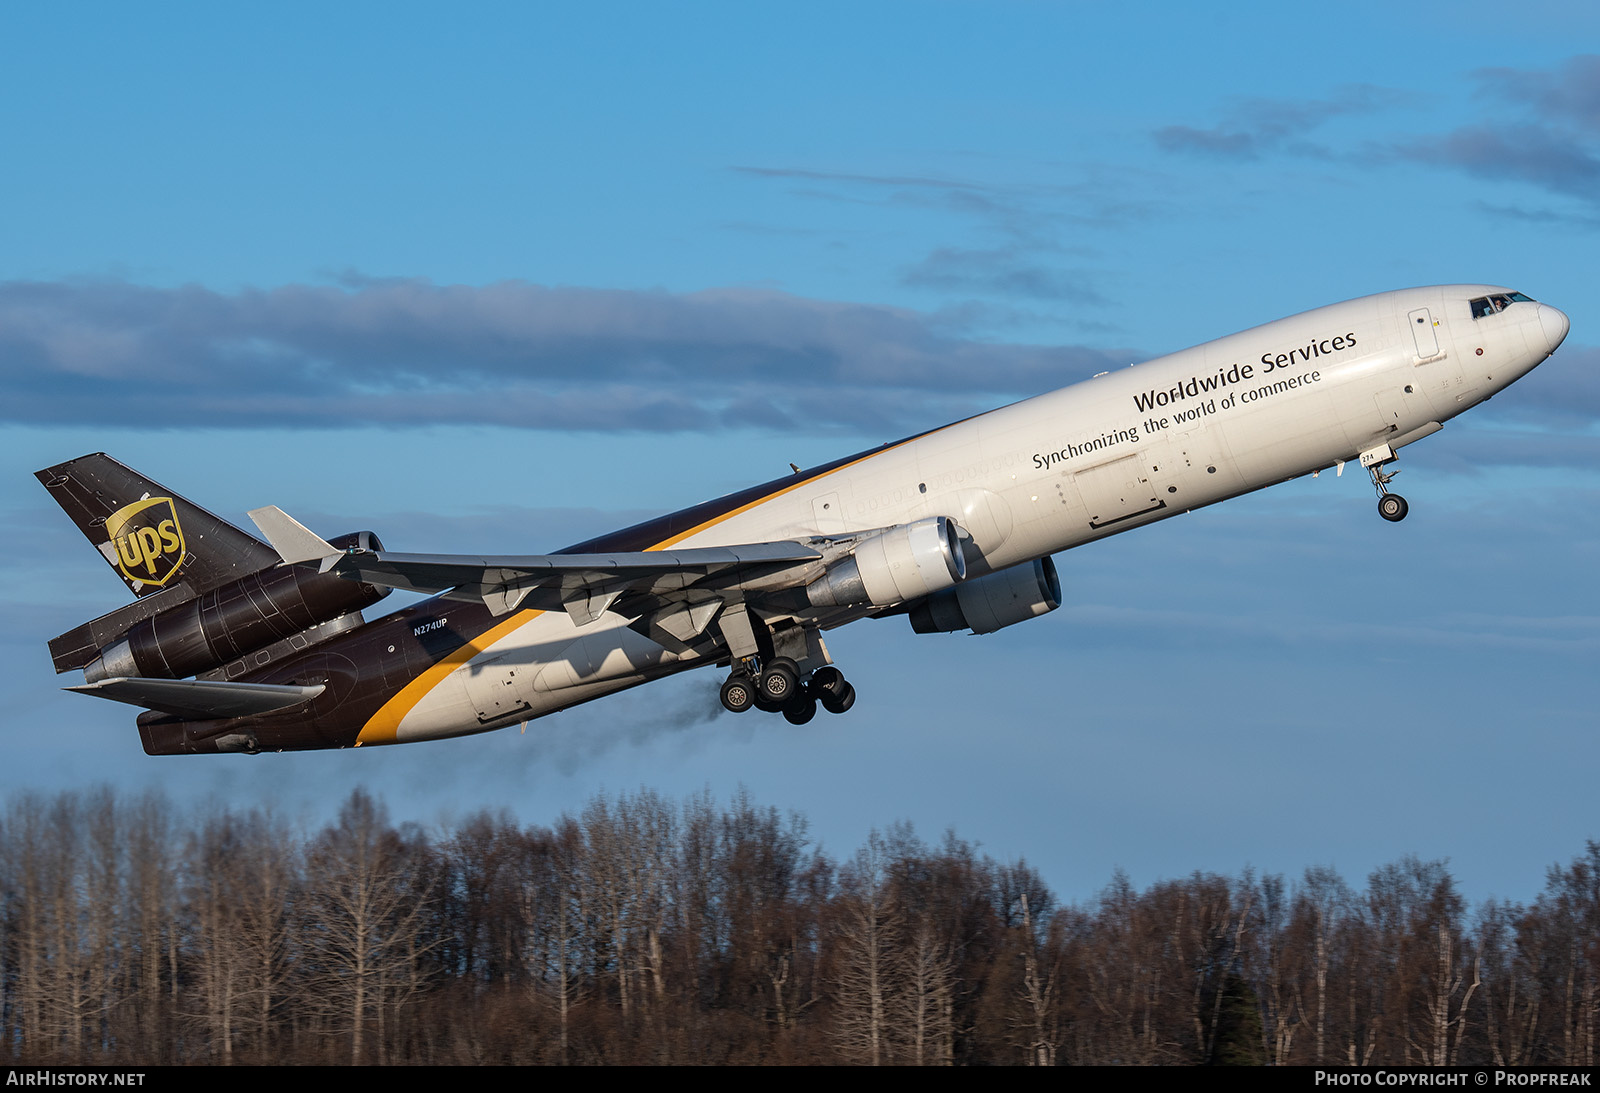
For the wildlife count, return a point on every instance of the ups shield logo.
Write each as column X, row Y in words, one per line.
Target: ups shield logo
column 148, row 540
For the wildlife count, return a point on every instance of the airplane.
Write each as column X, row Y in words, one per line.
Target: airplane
column 242, row 644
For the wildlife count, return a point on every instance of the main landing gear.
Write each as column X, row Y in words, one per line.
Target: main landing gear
column 776, row 686
column 1391, row 506
column 784, row 670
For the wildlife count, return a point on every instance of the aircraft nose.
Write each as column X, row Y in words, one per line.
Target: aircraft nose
column 1555, row 324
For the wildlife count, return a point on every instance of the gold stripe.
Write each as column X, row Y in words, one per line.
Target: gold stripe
column 383, row 727
column 715, row 520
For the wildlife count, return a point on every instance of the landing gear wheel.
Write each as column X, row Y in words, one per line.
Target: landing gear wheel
column 780, row 679
column 827, row 680
column 1393, row 507
column 738, row 693
column 801, row 708
column 840, row 701
column 832, row 689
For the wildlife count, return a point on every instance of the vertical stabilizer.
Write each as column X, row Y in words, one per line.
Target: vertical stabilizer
column 154, row 539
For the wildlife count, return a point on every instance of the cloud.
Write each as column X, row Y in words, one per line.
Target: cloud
column 1541, row 155
column 1542, row 127
column 1534, row 126
column 562, row 359
column 1570, row 93
column 960, row 195
column 512, row 353
column 1097, row 194
column 1025, row 227
column 1000, row 272
column 1219, row 141
column 1539, row 216
column 1254, row 127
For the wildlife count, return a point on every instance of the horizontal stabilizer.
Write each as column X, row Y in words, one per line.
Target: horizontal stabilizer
column 200, row 700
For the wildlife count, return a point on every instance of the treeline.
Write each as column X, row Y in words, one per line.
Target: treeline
column 649, row 931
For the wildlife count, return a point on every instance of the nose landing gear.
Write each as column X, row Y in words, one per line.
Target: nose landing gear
column 1391, row 506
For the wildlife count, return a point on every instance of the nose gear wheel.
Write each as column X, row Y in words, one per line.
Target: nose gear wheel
column 1391, row 506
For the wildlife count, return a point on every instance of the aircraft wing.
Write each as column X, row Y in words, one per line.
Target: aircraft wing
column 583, row 585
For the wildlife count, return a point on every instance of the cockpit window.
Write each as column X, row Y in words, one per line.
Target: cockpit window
column 1498, row 302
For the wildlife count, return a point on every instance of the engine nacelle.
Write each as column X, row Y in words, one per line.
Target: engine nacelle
column 238, row 618
column 905, row 562
column 984, row 605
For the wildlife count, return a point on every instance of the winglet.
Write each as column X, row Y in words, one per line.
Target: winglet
column 294, row 542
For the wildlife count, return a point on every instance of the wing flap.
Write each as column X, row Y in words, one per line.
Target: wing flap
column 438, row 572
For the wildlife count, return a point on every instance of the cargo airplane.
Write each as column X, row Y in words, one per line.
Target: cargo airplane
column 242, row 644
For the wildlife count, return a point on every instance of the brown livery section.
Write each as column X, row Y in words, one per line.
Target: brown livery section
column 384, row 725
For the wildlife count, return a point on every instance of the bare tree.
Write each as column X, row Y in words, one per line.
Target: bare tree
column 211, row 895
column 152, row 915
column 363, row 922
column 1569, row 910
column 1321, row 902
column 627, row 857
column 551, row 902
column 1279, row 958
column 925, row 1005
column 867, row 938
column 1038, row 993
column 265, row 887
column 639, row 931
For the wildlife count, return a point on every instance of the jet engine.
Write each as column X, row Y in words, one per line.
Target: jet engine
column 234, row 619
column 987, row 603
column 905, row 562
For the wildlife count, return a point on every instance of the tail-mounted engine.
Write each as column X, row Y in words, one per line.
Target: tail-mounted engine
column 987, row 603
column 235, row 619
column 905, row 562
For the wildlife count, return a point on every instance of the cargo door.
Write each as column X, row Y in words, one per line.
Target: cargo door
column 827, row 514
column 1391, row 409
column 1424, row 334
column 1119, row 490
column 496, row 688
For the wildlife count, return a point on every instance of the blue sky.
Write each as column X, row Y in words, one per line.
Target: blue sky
column 501, row 278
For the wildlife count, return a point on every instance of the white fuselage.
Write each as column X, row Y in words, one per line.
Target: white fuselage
column 1040, row 476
